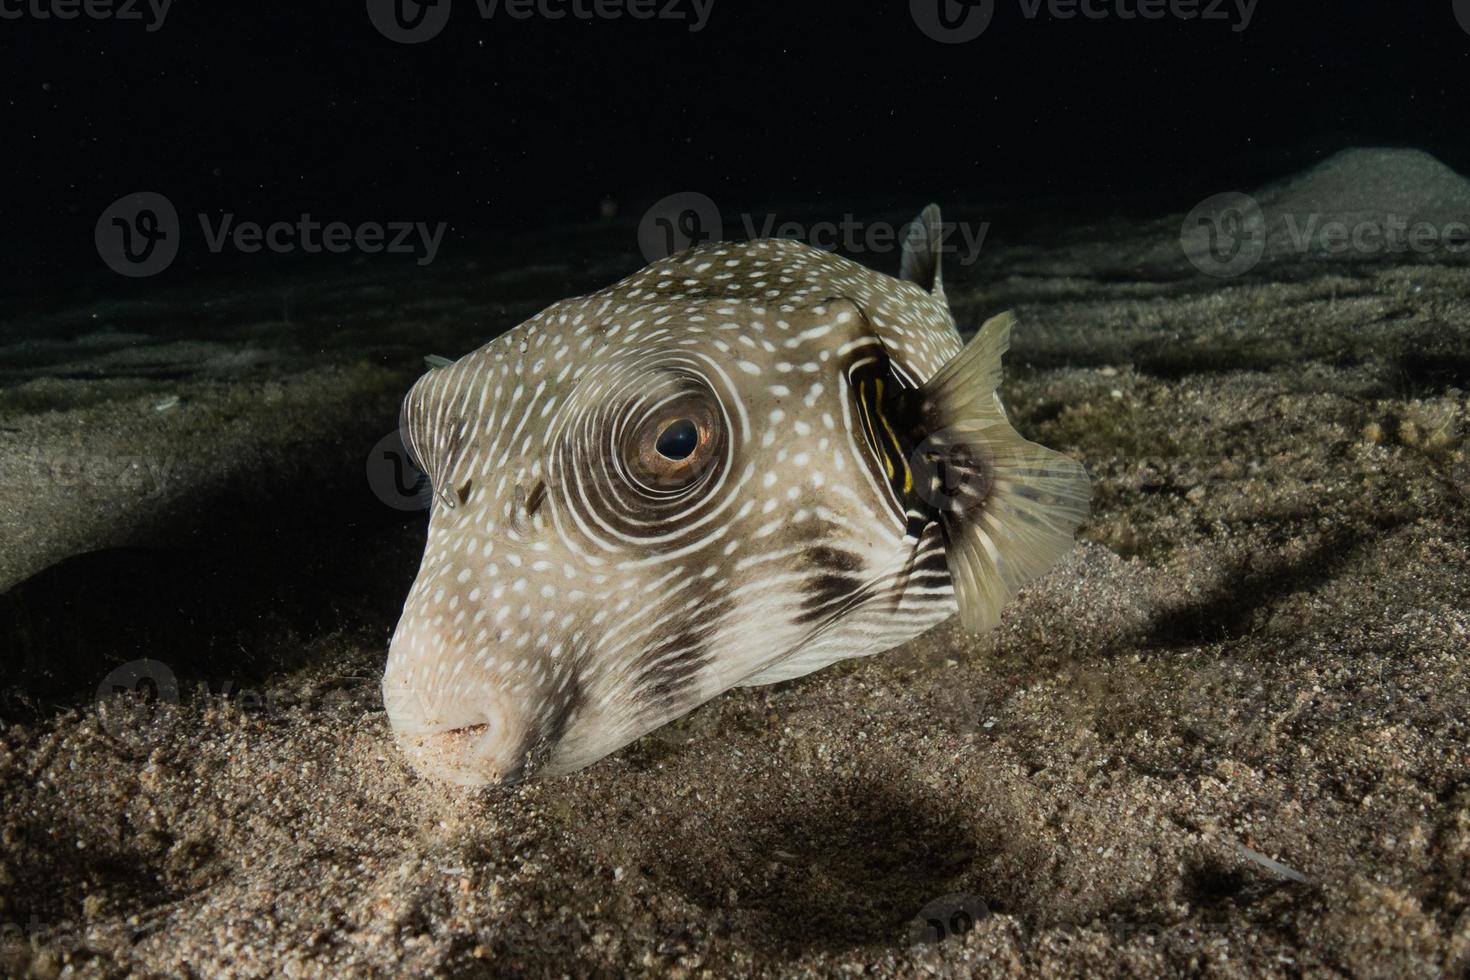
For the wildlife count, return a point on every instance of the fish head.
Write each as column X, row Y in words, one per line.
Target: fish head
column 639, row 504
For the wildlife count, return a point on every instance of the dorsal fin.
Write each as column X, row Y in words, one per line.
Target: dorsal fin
column 921, row 251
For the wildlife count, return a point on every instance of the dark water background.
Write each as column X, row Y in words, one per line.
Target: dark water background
column 505, row 127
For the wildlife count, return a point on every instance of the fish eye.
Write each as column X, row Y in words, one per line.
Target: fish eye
column 678, row 439
column 676, row 444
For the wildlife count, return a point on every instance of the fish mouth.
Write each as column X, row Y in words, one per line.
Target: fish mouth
column 459, row 756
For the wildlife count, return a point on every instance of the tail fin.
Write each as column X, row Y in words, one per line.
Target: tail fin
column 1008, row 507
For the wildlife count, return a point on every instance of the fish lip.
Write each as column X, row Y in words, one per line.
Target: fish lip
column 449, row 756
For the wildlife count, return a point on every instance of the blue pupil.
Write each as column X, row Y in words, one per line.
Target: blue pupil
column 678, row 440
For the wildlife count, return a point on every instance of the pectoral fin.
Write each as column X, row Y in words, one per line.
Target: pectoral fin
column 1008, row 507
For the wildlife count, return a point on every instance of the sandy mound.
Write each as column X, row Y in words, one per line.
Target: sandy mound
column 1364, row 184
column 1361, row 205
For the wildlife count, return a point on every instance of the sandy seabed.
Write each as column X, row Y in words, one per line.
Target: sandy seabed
column 1229, row 735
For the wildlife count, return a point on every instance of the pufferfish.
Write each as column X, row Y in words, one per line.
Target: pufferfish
column 737, row 466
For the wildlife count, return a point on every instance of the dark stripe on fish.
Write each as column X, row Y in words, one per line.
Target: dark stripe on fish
column 666, row 670
column 833, row 559
column 821, row 591
column 543, row 736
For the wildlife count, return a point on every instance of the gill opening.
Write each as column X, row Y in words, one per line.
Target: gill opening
column 875, row 410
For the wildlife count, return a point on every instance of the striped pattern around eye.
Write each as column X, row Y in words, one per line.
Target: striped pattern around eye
column 612, row 503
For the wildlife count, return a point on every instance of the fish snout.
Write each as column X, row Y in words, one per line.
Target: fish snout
column 467, row 739
column 460, row 756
